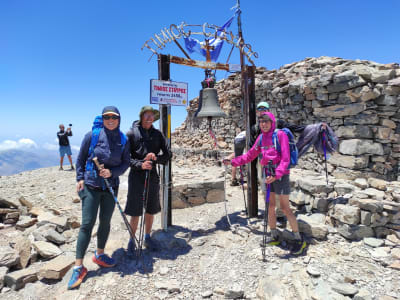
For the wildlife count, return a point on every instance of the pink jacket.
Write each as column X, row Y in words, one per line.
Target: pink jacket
column 268, row 151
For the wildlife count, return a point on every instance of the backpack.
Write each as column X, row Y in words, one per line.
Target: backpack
column 294, row 153
column 96, row 128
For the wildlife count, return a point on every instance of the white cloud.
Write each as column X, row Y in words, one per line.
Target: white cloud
column 20, row 144
column 49, row 146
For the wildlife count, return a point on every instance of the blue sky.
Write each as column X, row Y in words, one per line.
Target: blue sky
column 62, row 61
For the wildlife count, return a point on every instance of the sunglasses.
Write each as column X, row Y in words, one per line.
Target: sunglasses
column 264, row 121
column 110, row 117
column 262, row 108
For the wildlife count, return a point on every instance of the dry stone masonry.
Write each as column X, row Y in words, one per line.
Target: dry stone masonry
column 359, row 99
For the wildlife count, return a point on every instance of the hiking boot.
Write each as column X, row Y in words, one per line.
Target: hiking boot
column 298, row 247
column 131, row 248
column 281, row 222
column 60, row 169
column 234, row 182
column 78, row 274
column 72, row 168
column 150, row 244
column 271, row 241
column 103, row 260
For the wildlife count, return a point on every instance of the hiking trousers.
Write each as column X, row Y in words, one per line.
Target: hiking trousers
column 92, row 200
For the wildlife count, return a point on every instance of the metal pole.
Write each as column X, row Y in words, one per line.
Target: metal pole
column 165, row 128
column 252, row 191
column 248, row 96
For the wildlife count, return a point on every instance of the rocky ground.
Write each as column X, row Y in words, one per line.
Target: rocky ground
column 201, row 256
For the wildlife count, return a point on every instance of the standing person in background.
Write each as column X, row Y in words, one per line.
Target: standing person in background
column 239, row 143
column 65, row 148
column 110, row 147
column 148, row 148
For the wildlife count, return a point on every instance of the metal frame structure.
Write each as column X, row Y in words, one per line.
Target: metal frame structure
column 248, row 96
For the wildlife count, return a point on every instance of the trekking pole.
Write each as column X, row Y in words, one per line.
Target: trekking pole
column 142, row 221
column 128, row 226
column 242, row 184
column 324, row 146
column 266, row 172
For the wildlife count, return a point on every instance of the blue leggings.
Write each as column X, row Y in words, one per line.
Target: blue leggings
column 91, row 201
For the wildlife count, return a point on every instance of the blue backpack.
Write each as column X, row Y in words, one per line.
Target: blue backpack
column 294, row 153
column 96, row 128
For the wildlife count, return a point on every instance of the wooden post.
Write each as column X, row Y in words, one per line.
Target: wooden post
column 165, row 128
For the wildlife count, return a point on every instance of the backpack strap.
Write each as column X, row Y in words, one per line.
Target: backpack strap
column 275, row 140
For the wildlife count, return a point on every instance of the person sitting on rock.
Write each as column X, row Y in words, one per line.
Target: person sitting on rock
column 280, row 183
column 148, row 148
column 114, row 155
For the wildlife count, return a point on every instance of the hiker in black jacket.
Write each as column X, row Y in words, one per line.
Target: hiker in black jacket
column 65, row 148
column 146, row 143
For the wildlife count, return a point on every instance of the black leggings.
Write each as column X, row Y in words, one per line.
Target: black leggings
column 91, row 201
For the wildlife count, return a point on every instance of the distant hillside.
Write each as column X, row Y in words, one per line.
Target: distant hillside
column 15, row 161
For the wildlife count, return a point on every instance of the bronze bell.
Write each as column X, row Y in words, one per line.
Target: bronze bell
column 208, row 104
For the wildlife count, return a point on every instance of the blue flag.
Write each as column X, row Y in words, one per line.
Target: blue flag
column 194, row 45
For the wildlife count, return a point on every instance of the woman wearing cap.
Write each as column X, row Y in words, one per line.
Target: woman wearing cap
column 146, row 143
column 113, row 154
column 280, row 183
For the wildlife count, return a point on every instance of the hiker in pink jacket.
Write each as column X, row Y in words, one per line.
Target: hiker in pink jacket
column 279, row 183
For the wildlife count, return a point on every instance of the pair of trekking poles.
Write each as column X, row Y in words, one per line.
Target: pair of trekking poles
column 128, row 226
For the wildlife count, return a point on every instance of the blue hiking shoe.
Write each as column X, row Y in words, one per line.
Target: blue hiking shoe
column 131, row 248
column 103, row 260
column 78, row 274
column 150, row 244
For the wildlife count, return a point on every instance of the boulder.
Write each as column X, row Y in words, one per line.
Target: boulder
column 3, row 272
column 25, row 202
column 374, row 193
column 271, row 288
column 367, row 204
column 53, row 236
column 377, row 183
column 8, row 256
column 46, row 250
column 361, row 183
column 348, row 161
column 339, row 111
column 25, row 221
column 313, row 185
column 57, row 267
column 346, row 289
column 312, row 228
column 355, row 232
column 344, row 188
column 347, row 214
column 17, row 279
column 373, row 242
column 359, row 147
column 214, row 196
column 354, row 131
column 23, row 247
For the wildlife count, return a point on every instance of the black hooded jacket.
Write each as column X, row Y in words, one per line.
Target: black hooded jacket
column 144, row 141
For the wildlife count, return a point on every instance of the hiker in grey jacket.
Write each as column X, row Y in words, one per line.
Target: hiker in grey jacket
column 148, row 148
column 112, row 151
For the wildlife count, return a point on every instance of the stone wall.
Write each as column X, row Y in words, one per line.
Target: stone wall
column 356, row 209
column 358, row 99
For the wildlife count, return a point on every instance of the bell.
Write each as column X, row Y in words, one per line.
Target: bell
column 208, row 104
